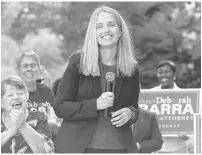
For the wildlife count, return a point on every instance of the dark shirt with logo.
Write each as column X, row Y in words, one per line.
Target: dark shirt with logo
column 38, row 122
column 41, row 98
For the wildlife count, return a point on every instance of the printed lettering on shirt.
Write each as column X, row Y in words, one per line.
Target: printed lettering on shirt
column 29, row 104
column 41, row 106
column 33, row 109
column 42, row 109
column 32, row 122
column 46, row 104
column 35, row 104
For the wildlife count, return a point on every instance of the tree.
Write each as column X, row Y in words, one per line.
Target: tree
column 161, row 30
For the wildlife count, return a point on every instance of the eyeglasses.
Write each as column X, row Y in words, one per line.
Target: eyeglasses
column 26, row 66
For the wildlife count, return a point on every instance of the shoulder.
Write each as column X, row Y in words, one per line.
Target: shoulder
column 176, row 87
column 156, row 88
column 75, row 57
column 43, row 87
column 136, row 70
column 159, row 87
column 44, row 90
column 74, row 62
column 134, row 75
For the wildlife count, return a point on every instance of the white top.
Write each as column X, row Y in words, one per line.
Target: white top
column 175, row 87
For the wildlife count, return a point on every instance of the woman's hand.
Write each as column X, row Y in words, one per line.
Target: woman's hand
column 9, row 124
column 121, row 116
column 105, row 100
column 18, row 117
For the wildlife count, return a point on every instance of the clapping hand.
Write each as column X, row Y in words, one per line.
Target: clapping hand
column 16, row 118
column 9, row 124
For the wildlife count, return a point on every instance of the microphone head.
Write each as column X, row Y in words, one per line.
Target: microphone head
column 110, row 76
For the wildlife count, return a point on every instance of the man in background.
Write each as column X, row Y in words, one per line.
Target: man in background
column 147, row 133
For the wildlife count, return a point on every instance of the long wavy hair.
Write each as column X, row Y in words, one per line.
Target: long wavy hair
column 126, row 59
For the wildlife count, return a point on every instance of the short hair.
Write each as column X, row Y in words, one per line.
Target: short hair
column 29, row 53
column 167, row 63
column 14, row 81
column 55, row 85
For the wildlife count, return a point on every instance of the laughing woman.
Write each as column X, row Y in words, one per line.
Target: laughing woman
column 23, row 129
column 81, row 98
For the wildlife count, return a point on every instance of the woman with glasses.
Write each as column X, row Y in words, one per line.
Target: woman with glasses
column 28, row 67
column 23, row 130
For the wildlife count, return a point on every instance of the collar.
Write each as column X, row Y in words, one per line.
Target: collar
column 159, row 87
column 174, row 86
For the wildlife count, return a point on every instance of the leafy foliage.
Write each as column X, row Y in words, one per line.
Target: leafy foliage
column 161, row 30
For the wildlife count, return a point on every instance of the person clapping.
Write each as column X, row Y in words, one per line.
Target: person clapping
column 24, row 130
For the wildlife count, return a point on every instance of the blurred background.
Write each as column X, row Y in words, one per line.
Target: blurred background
column 161, row 30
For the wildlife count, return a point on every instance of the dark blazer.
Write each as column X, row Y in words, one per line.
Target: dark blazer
column 76, row 103
column 147, row 133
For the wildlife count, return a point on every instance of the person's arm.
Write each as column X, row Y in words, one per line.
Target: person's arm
column 65, row 104
column 53, row 121
column 155, row 143
column 33, row 138
column 5, row 136
column 8, row 129
column 52, row 118
column 38, row 140
column 135, row 95
column 130, row 111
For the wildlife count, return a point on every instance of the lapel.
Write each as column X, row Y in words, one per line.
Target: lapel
column 97, row 86
column 118, row 84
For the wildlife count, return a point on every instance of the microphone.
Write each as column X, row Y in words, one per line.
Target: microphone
column 110, row 83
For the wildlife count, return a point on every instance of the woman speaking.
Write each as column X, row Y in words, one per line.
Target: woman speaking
column 83, row 95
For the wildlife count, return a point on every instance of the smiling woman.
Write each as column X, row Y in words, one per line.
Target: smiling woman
column 166, row 74
column 108, row 31
column 94, row 119
column 28, row 68
column 18, row 134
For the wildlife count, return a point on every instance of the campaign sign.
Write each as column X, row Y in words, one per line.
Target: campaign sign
column 174, row 108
